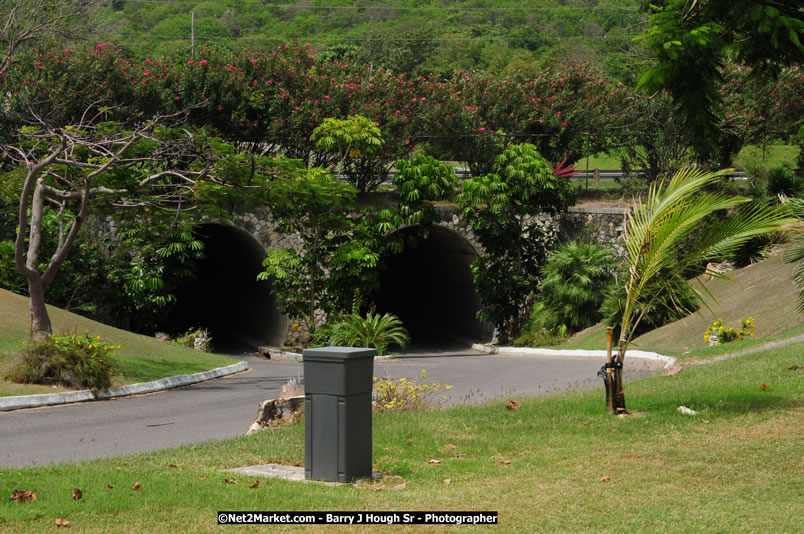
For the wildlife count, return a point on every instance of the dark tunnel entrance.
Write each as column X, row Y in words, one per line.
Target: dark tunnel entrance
column 226, row 297
column 429, row 286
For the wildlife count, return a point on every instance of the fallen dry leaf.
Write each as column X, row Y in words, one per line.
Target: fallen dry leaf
column 136, row 486
column 796, row 367
column 705, row 421
column 23, row 496
column 605, row 479
column 506, row 462
column 62, row 522
column 587, row 422
column 450, row 447
column 255, row 485
column 434, row 462
column 174, row 465
column 230, row 481
column 109, row 486
column 513, row 405
column 447, row 481
column 459, row 455
column 78, row 494
column 764, row 387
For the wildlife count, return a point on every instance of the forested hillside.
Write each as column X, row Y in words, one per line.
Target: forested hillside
column 507, row 37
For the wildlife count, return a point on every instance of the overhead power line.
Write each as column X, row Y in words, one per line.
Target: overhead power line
column 320, row 38
column 396, row 8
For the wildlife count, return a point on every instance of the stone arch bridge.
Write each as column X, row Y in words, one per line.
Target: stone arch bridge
column 428, row 286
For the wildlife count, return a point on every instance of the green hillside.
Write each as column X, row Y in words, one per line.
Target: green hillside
column 411, row 36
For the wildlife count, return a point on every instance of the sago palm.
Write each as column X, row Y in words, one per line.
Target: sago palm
column 658, row 228
column 373, row 330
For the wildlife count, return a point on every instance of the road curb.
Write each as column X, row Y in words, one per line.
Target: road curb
column 8, row 404
column 572, row 353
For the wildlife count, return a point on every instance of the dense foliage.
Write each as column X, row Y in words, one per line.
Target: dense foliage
column 503, row 207
column 506, row 37
column 575, row 279
column 692, row 41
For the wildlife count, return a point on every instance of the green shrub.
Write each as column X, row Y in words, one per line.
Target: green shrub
column 372, row 330
column 575, row 279
column 783, row 181
column 82, row 362
column 661, row 310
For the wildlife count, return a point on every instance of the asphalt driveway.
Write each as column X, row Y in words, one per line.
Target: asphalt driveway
column 225, row 407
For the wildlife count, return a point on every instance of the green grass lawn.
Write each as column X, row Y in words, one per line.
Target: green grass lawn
column 764, row 291
column 735, row 467
column 141, row 358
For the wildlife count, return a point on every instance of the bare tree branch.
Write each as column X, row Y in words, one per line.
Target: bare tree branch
column 25, row 21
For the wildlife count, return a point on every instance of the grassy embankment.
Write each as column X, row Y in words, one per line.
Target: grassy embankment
column 141, row 358
column 764, row 291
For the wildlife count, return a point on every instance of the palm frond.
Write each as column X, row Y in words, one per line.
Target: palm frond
column 658, row 228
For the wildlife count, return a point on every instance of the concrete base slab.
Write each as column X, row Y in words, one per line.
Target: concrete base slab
column 285, row 472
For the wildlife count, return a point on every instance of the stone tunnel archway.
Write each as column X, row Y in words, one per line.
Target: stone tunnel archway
column 226, row 297
column 429, row 286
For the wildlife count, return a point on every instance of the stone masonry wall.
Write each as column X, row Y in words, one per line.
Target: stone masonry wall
column 602, row 225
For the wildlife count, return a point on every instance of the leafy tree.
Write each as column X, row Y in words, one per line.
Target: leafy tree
column 317, row 207
column 23, row 22
column 155, row 257
column 81, row 164
column 659, row 227
column 422, row 181
column 654, row 138
column 354, row 142
column 691, row 40
column 503, row 207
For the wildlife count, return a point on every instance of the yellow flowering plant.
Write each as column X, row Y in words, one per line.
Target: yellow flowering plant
column 717, row 334
column 402, row 394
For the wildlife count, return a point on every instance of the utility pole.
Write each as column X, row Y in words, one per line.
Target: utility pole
column 192, row 33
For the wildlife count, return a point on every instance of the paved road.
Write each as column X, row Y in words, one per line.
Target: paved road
column 225, row 408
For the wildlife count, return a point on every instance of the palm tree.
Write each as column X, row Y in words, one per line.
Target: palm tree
column 655, row 232
column 796, row 253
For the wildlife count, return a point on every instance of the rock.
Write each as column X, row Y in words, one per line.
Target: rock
column 276, row 412
column 686, row 411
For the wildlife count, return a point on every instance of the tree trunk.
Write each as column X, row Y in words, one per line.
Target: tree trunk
column 617, row 388
column 608, row 378
column 41, row 327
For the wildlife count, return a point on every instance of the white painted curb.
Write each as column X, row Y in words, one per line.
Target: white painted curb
column 52, row 399
column 572, row 353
